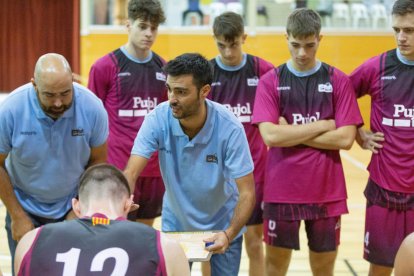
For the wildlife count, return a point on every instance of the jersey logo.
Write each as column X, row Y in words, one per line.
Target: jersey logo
column 141, row 107
column 388, row 78
column 78, row 132
column 124, row 74
column 326, row 87
column 98, row 220
column 300, row 119
column 253, row 82
column 242, row 112
column 283, row 88
column 212, row 158
column 160, row 76
column 217, row 83
column 400, row 111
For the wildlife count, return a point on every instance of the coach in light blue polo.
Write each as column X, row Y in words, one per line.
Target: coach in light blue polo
column 204, row 158
column 51, row 130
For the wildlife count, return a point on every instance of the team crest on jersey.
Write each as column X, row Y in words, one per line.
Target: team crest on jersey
column 325, row 87
column 160, row 76
column 253, row 81
column 78, row 132
column 212, row 158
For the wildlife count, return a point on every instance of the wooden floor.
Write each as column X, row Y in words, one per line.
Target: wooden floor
column 349, row 261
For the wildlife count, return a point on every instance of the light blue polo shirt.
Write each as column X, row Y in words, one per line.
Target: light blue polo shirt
column 201, row 193
column 46, row 157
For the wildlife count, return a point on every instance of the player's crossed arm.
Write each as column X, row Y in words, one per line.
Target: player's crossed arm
column 285, row 135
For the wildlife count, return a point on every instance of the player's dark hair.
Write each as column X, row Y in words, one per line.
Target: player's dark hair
column 191, row 64
column 402, row 7
column 230, row 25
column 105, row 176
column 146, row 10
column 303, row 22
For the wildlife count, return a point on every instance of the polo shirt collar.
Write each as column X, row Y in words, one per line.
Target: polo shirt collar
column 40, row 114
column 205, row 133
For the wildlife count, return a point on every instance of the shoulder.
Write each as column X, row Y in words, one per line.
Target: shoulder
column 84, row 96
column 225, row 118
column 24, row 245
column 18, row 100
column 105, row 61
column 158, row 59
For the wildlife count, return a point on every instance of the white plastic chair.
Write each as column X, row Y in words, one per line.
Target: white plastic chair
column 379, row 14
column 341, row 13
column 216, row 8
column 235, row 7
column 359, row 13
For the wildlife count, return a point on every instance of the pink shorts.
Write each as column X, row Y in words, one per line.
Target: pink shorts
column 148, row 193
column 323, row 234
column 385, row 230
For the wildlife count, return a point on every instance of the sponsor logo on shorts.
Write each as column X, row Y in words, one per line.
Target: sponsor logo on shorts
column 78, row 132
column 212, row 158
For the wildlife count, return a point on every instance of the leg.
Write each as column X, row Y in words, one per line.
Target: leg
column 379, row 270
column 322, row 264
column 12, row 243
column 227, row 264
column 277, row 260
column 254, row 249
column 205, row 269
column 323, row 240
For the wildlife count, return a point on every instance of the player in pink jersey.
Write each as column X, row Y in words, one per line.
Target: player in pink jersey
column 389, row 79
column 306, row 111
column 235, row 80
column 130, row 81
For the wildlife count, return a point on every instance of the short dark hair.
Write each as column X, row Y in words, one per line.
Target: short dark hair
column 303, row 22
column 191, row 64
column 102, row 175
column 230, row 25
column 146, row 10
column 402, row 7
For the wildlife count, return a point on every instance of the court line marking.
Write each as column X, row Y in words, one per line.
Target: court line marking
column 353, row 161
column 351, row 269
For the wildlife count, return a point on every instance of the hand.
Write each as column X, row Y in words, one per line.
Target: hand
column 282, row 121
column 220, row 243
column 21, row 226
column 371, row 141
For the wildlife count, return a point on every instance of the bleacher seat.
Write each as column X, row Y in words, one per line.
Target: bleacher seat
column 341, row 13
column 378, row 14
column 359, row 14
column 235, row 7
column 216, row 8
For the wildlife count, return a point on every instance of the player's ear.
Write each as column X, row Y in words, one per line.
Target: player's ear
column 76, row 207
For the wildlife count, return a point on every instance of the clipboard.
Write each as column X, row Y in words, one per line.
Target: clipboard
column 192, row 243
